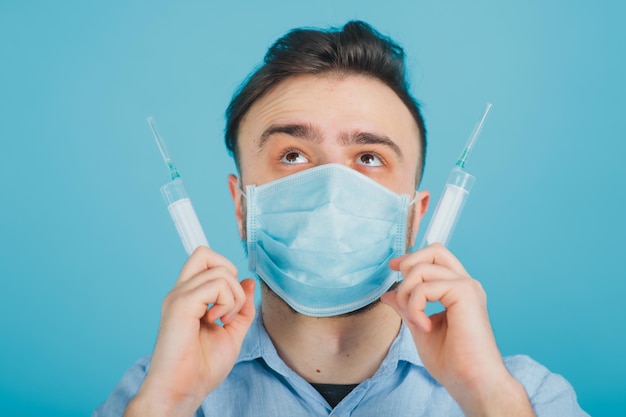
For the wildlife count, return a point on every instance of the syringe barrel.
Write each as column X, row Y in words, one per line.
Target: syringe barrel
column 183, row 215
column 449, row 207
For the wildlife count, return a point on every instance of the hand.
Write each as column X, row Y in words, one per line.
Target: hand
column 193, row 354
column 457, row 345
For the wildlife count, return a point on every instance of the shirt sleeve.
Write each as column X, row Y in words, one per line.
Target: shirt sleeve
column 550, row 394
column 124, row 391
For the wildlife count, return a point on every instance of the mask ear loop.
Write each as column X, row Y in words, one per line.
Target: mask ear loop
column 241, row 189
column 411, row 203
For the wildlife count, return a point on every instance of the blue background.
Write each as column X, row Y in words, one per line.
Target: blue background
column 87, row 247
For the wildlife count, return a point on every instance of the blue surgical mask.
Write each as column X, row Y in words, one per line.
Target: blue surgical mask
column 322, row 238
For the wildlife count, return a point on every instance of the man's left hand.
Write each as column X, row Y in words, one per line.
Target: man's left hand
column 457, row 345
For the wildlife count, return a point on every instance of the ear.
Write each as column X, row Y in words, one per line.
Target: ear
column 419, row 209
column 235, row 193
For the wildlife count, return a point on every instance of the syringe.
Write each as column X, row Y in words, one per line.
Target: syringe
column 178, row 203
column 454, row 194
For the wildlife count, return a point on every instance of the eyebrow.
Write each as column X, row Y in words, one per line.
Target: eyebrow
column 309, row 132
column 366, row 138
column 301, row 131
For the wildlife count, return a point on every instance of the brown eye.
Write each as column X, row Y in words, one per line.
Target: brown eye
column 369, row 159
column 294, row 157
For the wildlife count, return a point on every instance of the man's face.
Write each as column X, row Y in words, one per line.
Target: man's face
column 306, row 121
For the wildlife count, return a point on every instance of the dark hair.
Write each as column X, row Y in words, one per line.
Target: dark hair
column 356, row 48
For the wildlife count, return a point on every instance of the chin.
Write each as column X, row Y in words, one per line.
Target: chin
column 267, row 292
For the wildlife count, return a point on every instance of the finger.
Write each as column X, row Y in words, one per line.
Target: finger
column 225, row 304
column 204, row 278
column 459, row 292
column 419, row 320
column 203, row 259
column 248, row 310
column 435, row 253
column 421, row 273
column 218, row 272
column 226, row 312
column 195, row 301
column 412, row 312
column 239, row 324
column 391, row 299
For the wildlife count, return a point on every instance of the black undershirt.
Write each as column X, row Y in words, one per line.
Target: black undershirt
column 334, row 393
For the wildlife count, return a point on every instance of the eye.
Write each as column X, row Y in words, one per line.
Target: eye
column 369, row 159
column 293, row 156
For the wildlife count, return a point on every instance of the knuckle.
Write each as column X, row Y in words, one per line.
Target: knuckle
column 477, row 285
column 219, row 283
column 410, row 269
column 201, row 251
column 418, row 267
column 220, row 272
column 406, row 292
column 478, row 288
column 416, row 271
column 438, row 246
column 169, row 299
column 225, row 269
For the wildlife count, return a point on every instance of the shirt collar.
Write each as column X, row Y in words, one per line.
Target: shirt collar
column 406, row 347
column 257, row 344
column 252, row 347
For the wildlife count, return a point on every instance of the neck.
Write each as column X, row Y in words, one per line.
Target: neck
column 332, row 350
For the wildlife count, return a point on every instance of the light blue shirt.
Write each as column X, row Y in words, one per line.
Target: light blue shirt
column 261, row 384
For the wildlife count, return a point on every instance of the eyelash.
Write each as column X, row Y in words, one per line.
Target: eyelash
column 376, row 154
column 291, row 149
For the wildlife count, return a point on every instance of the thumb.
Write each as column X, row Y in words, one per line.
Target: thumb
column 240, row 324
column 391, row 299
column 420, row 323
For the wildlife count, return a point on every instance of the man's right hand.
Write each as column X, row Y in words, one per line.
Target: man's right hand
column 193, row 353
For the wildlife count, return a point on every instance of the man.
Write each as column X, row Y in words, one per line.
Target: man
column 330, row 149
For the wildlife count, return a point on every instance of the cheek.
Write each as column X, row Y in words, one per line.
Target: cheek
column 410, row 235
column 256, row 169
column 400, row 181
column 244, row 219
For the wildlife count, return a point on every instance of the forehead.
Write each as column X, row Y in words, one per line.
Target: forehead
column 336, row 105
